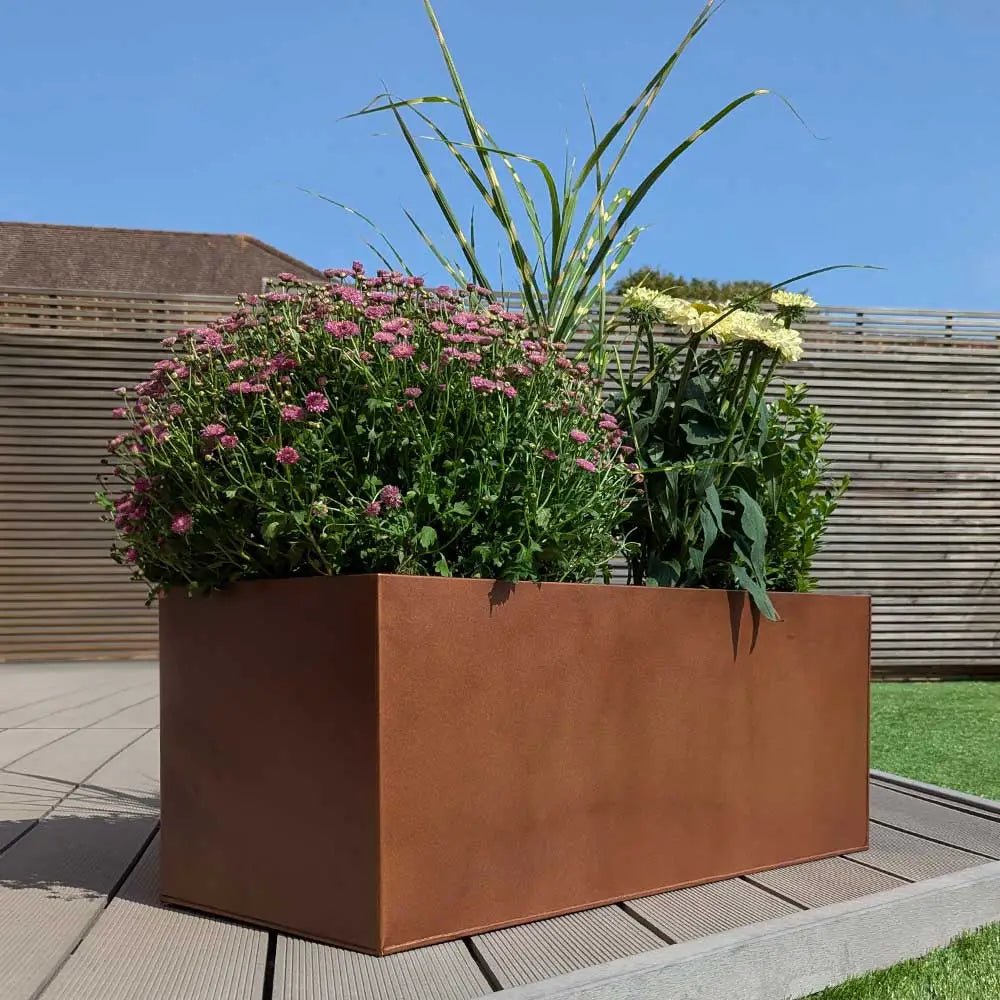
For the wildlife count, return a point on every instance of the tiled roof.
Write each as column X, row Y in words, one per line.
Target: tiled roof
column 40, row 255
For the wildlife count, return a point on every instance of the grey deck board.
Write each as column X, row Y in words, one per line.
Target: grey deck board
column 144, row 715
column 304, row 970
column 24, row 800
column 17, row 743
column 700, row 910
column 78, row 806
column 32, row 713
column 55, row 880
column 824, row 882
column 139, row 950
column 917, row 815
column 912, row 857
column 529, row 952
column 75, row 756
column 103, row 708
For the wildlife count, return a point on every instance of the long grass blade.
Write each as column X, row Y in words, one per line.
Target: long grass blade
column 654, row 175
column 479, row 275
column 454, row 271
column 531, row 291
column 369, row 222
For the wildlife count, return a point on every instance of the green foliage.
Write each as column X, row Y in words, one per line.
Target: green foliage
column 577, row 240
column 734, row 486
column 794, row 489
column 368, row 425
column 702, row 289
column 697, row 423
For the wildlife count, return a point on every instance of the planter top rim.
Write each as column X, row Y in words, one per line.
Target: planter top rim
column 453, row 581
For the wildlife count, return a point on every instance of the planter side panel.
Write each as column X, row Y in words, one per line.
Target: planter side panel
column 269, row 755
column 550, row 748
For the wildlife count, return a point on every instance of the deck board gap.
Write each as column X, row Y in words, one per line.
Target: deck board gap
column 881, row 871
column 936, row 840
column 484, row 967
column 648, row 924
column 774, row 892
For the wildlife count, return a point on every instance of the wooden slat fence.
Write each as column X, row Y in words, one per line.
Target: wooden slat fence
column 915, row 396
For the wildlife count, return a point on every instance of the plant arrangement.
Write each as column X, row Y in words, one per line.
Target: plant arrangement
column 375, row 424
column 367, row 425
column 734, row 492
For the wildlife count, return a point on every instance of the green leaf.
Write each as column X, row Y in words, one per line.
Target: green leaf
column 754, row 527
column 756, row 591
column 270, row 530
column 665, row 573
column 461, row 508
column 709, row 528
column 714, row 505
column 441, row 567
column 542, row 517
column 427, row 536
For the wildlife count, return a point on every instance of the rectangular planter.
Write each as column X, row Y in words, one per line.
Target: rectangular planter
column 382, row 761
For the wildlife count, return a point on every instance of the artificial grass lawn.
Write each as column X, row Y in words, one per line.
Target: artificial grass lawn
column 947, row 734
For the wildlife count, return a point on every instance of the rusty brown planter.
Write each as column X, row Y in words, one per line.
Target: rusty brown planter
column 383, row 761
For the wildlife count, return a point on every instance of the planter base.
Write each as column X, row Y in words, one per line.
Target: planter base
column 382, row 762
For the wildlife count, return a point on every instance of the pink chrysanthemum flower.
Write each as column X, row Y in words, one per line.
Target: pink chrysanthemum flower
column 119, row 412
column 236, row 364
column 142, row 485
column 292, row 413
column 229, row 441
column 480, row 384
column 316, row 402
column 413, row 392
column 508, row 390
column 287, row 455
column 378, row 312
column 365, row 356
column 175, row 409
column 168, row 341
column 402, row 351
column 342, row 329
column 181, row 524
column 391, row 496
column 580, row 437
column 384, row 337
column 373, row 509
column 550, row 455
column 585, row 465
column 210, row 338
column 537, row 358
column 212, row 431
column 131, row 554
column 564, row 362
column 439, row 327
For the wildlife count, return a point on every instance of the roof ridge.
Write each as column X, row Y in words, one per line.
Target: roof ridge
column 115, row 229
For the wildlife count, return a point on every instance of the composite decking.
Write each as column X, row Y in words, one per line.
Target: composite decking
column 80, row 918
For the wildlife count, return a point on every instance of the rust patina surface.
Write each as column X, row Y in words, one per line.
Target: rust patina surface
column 384, row 761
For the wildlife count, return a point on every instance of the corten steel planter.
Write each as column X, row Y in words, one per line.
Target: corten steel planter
column 383, row 761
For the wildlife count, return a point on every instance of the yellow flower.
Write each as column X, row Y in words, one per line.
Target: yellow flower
column 743, row 325
column 659, row 305
column 793, row 300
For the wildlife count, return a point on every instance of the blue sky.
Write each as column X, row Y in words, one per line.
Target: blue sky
column 207, row 116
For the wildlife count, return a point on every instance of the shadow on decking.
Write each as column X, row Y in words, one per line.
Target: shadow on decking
column 82, row 848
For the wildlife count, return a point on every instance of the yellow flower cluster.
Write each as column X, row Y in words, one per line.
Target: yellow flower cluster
column 792, row 300
column 743, row 325
column 739, row 325
column 660, row 306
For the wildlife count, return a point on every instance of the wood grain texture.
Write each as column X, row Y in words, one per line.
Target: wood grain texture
column 910, row 391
